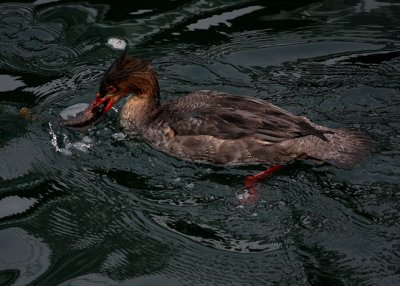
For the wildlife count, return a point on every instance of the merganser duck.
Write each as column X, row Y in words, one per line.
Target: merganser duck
column 217, row 127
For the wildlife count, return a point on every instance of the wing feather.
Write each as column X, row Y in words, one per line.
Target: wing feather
column 227, row 116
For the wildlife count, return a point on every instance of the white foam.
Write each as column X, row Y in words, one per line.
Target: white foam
column 119, row 136
column 116, row 43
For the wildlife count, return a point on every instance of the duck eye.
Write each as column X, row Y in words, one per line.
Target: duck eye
column 111, row 89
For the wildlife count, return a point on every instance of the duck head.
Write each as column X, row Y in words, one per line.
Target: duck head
column 126, row 76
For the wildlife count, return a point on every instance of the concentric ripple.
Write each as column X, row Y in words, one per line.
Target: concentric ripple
column 97, row 207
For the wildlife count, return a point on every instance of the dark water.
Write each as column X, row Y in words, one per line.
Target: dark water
column 112, row 211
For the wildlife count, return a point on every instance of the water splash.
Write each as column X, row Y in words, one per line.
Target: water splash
column 54, row 140
column 83, row 146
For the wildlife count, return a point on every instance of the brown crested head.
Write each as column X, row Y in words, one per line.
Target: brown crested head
column 129, row 75
column 126, row 75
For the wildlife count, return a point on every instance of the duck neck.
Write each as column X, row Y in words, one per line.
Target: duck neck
column 136, row 112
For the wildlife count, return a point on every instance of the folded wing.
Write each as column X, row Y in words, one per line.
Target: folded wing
column 227, row 116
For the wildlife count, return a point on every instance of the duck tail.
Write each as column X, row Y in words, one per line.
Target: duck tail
column 343, row 148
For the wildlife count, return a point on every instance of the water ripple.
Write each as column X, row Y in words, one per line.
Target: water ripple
column 124, row 213
column 32, row 41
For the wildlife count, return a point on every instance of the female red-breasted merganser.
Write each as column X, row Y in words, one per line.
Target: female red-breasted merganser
column 217, row 127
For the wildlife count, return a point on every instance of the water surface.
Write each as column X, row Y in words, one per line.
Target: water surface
column 117, row 212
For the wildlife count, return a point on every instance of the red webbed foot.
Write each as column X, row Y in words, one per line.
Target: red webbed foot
column 250, row 195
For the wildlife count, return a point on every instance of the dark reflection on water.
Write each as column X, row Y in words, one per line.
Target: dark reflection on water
column 106, row 210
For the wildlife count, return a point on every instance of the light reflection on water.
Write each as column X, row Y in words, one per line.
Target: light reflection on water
column 120, row 212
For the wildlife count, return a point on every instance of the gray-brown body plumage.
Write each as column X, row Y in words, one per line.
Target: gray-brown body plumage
column 221, row 128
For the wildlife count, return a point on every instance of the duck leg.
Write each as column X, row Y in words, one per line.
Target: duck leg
column 249, row 182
